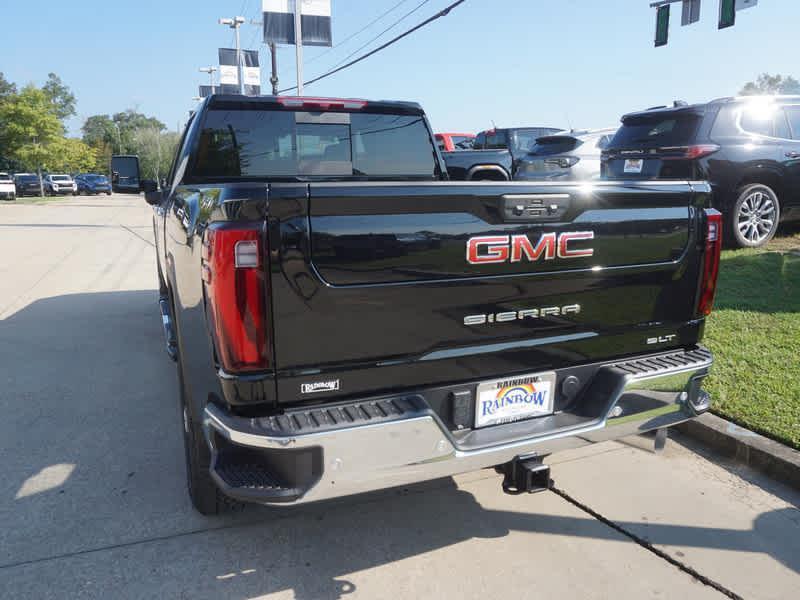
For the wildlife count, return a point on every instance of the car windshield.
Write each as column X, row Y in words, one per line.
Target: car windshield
column 96, row 178
column 661, row 130
column 4, row 177
column 554, row 145
column 525, row 139
column 60, row 178
column 462, row 142
column 28, row 178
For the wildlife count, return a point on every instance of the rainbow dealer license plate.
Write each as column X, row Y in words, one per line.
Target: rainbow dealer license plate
column 514, row 399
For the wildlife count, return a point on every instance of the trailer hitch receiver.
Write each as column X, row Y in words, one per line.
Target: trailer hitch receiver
column 528, row 475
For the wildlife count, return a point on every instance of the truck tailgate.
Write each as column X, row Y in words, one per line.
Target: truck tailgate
column 386, row 286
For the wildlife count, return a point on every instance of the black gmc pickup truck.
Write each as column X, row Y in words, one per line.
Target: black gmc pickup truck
column 345, row 319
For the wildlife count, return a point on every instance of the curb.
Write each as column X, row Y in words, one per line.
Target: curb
column 763, row 454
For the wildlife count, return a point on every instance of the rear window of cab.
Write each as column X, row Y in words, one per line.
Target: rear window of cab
column 244, row 144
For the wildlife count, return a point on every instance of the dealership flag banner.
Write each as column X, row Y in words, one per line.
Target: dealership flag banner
column 315, row 16
column 228, row 71
column 252, row 73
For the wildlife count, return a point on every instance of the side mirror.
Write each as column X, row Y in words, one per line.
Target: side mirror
column 149, row 185
column 152, row 195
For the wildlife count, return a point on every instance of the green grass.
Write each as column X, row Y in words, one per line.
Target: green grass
column 754, row 333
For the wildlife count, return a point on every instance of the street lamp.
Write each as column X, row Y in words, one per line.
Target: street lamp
column 210, row 71
column 235, row 23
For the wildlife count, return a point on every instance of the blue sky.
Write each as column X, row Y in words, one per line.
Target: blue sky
column 537, row 62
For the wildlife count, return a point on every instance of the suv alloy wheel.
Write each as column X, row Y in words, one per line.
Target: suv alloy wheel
column 755, row 215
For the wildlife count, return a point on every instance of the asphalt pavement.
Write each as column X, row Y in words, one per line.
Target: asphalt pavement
column 93, row 501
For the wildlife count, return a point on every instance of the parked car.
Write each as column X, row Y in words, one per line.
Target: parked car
column 747, row 147
column 495, row 155
column 60, row 184
column 565, row 156
column 466, row 327
column 89, row 183
column 27, row 184
column 8, row 191
column 452, row 142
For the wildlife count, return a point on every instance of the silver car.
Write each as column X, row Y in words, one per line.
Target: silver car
column 60, row 184
column 565, row 156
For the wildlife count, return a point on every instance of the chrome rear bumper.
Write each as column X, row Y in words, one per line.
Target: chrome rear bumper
column 373, row 445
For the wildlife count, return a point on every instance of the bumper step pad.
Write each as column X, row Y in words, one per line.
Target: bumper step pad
column 249, row 480
column 328, row 418
column 654, row 365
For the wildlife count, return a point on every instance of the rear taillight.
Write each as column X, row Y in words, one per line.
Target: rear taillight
column 689, row 152
column 713, row 243
column 235, row 282
column 564, row 162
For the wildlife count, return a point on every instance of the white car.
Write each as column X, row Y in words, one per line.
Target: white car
column 8, row 191
column 60, row 184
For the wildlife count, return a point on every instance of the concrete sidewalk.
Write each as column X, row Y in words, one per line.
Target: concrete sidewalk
column 93, row 501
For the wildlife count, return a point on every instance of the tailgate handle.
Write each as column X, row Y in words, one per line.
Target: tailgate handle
column 535, row 207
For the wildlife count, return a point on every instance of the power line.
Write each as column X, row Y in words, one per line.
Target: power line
column 363, row 29
column 439, row 15
column 392, row 26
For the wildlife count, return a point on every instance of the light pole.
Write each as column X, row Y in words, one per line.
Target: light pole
column 210, row 71
column 235, row 23
column 119, row 136
column 273, row 50
column 298, row 44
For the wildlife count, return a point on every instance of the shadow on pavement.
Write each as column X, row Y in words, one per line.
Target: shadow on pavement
column 93, row 468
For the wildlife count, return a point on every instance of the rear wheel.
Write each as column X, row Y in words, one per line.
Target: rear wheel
column 203, row 492
column 754, row 217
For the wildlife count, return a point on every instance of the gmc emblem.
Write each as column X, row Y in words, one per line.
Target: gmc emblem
column 496, row 249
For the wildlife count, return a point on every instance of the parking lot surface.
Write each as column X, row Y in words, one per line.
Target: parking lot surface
column 93, row 501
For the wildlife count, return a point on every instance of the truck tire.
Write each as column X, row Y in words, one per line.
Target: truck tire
column 203, row 492
column 753, row 218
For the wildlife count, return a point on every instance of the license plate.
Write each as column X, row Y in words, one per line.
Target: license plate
column 634, row 165
column 514, row 399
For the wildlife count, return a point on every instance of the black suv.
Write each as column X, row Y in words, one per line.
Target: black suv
column 748, row 148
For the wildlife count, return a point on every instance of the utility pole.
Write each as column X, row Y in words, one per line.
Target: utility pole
column 274, row 53
column 210, row 71
column 273, row 50
column 235, row 23
column 298, row 43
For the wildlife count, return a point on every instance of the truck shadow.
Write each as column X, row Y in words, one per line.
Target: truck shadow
column 93, row 486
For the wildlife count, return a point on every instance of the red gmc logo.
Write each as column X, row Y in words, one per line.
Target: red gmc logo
column 496, row 249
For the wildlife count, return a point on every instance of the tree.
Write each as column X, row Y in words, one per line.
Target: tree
column 6, row 87
column 69, row 155
column 767, row 84
column 30, row 126
column 61, row 96
column 155, row 150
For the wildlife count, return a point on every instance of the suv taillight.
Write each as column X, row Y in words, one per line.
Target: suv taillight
column 235, row 282
column 689, row 152
column 713, row 243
